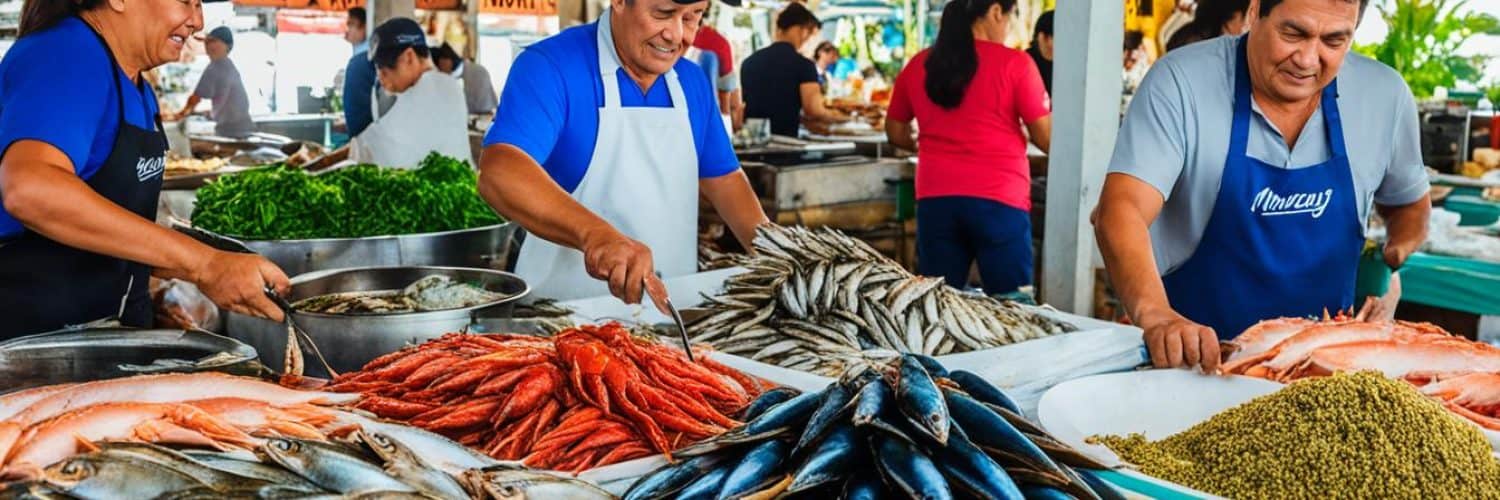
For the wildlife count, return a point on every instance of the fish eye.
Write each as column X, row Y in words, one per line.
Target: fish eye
column 282, row 445
column 509, row 491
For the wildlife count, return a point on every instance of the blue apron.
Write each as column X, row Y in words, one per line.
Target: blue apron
column 1280, row 242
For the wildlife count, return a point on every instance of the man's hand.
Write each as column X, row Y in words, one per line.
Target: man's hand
column 1396, row 254
column 626, row 265
column 1176, row 342
column 237, row 282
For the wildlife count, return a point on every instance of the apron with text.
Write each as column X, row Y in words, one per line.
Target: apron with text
column 1280, row 242
column 642, row 179
column 46, row 285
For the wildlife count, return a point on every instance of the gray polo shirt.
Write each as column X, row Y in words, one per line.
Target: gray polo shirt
column 221, row 85
column 1176, row 137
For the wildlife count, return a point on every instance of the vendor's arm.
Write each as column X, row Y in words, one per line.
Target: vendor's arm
column 812, row 103
column 41, row 190
column 1032, row 103
column 1149, row 158
column 736, row 203
column 527, row 127
column 187, row 109
column 719, row 176
column 1402, row 198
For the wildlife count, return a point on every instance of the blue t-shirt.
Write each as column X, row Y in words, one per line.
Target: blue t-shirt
column 359, row 85
column 55, row 88
column 550, row 107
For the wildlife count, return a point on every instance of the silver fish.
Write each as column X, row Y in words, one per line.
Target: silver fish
column 405, row 465
column 532, row 485
column 330, row 468
column 88, row 477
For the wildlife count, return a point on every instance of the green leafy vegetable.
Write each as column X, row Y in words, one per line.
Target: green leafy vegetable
column 282, row 203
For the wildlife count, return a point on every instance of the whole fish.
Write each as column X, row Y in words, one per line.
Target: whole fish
column 830, row 462
column 766, row 400
column 863, row 487
column 170, row 388
column 999, row 436
column 830, row 410
column 51, row 441
column 30, row 490
column 669, row 479
column 252, row 469
column 776, row 420
column 1097, row 484
column 89, row 477
column 922, row 401
column 909, row 471
column 330, row 469
column 871, row 401
column 403, row 464
column 708, row 486
column 214, row 478
column 982, row 390
column 756, row 469
column 517, row 484
column 441, row 452
column 976, row 470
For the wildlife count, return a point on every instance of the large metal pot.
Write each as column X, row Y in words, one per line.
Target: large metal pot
column 101, row 353
column 481, row 247
column 350, row 341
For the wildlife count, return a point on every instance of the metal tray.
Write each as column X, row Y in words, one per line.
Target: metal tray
column 91, row 354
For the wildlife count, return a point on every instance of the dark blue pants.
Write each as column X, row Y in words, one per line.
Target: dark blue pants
column 954, row 231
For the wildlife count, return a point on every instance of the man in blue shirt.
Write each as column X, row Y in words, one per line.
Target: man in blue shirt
column 602, row 143
column 359, row 75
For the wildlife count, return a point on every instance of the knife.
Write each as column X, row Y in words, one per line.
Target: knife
column 681, row 327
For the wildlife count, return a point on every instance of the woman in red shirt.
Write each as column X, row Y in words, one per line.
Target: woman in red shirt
column 972, row 96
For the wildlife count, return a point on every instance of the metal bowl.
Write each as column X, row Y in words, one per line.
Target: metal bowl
column 350, row 341
column 101, row 353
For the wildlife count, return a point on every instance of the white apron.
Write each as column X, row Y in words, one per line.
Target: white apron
column 642, row 179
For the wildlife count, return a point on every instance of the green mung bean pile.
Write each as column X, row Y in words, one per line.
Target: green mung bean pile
column 1356, row 435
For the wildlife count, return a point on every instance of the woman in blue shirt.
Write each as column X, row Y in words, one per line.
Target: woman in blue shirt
column 83, row 154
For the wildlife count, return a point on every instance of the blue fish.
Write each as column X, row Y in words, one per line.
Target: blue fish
column 829, row 462
column 830, row 410
column 871, row 401
column 984, row 391
column 932, row 365
column 863, row 487
column 998, row 435
column 909, row 471
column 760, row 464
column 766, row 400
column 922, row 401
column 776, row 420
column 663, row 482
column 708, row 486
column 975, row 469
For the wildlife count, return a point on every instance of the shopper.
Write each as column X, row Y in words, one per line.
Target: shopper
column 479, row 90
column 971, row 97
column 825, row 56
column 710, row 41
column 1042, row 47
column 1244, row 175
column 82, row 168
column 429, row 114
column 1212, row 19
column 359, row 76
column 780, row 84
column 603, row 142
column 222, row 86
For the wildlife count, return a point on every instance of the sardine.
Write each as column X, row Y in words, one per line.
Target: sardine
column 88, row 477
column 519, row 484
column 403, row 464
column 209, row 476
column 330, row 469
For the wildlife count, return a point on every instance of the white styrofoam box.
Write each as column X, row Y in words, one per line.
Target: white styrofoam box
column 618, row 477
column 1155, row 403
column 1028, row 369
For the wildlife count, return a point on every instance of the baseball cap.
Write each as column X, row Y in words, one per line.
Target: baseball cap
column 224, row 34
column 392, row 38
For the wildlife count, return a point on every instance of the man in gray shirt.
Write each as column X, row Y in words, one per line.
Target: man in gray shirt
column 221, row 85
column 479, row 91
column 1221, row 209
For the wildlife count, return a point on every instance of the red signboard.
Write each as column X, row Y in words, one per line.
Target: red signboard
column 525, row 7
column 330, row 5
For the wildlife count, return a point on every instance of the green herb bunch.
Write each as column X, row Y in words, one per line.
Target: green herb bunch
column 283, row 203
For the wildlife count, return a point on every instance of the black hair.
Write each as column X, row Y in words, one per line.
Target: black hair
column 37, row 15
column 358, row 13
column 1043, row 26
column 1267, row 5
column 1208, row 21
column 953, row 60
column 445, row 51
column 796, row 15
column 1134, row 39
column 825, row 45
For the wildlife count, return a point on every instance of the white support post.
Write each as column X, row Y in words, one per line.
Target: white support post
column 1086, row 84
column 381, row 11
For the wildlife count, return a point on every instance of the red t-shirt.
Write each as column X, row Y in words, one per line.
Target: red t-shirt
column 712, row 41
column 977, row 149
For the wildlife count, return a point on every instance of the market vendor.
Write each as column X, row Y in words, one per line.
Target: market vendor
column 479, row 92
column 82, row 167
column 1244, row 175
column 603, row 141
column 221, row 84
column 780, row 84
column 430, row 113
